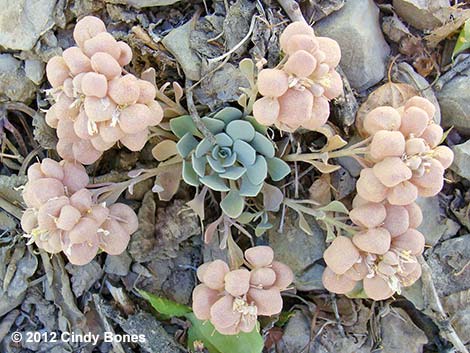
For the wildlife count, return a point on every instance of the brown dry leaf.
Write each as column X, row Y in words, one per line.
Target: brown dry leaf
column 169, row 180
column 390, row 94
column 424, row 65
column 164, row 150
column 320, row 191
column 458, row 18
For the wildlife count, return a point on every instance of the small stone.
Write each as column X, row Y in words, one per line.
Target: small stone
column 421, row 14
column 310, row 279
column 34, row 70
column 461, row 164
column 118, row 264
column 297, row 335
column 13, row 81
column 144, row 3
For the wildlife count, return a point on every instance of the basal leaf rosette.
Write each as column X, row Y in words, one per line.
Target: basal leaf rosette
column 237, row 160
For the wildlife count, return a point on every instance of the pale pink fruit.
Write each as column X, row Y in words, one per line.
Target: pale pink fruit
column 125, row 215
column 340, row 284
column 272, row 82
column 369, row 186
column 412, row 241
column 68, row 88
column 222, row 313
column 64, row 108
column 358, row 201
column 135, row 142
column 295, row 107
column 105, row 64
column 444, row 155
column 85, row 153
column 412, row 277
column 301, row 42
column 29, row 220
column 262, row 277
column 77, row 83
column 237, row 282
column 415, row 146
column 110, row 133
column 75, row 176
column 212, row 274
column 84, row 231
column 115, row 238
column 76, row 61
column 51, row 169
column 320, row 72
column 102, row 42
column 370, row 215
column 99, row 144
column 415, row 215
column 99, row 109
column 341, row 255
column 422, row 103
column 414, row 121
column 51, row 117
column 403, row 194
column 134, row 118
column 433, row 135
column 65, row 131
column 203, row 299
column 266, row 110
column 293, row 29
column 319, row 115
column 39, row 191
column 147, row 92
column 387, row 144
column 392, row 171
column 124, row 90
column 259, row 256
column 49, row 211
column 432, row 175
column 382, row 118
column 80, row 126
column 125, row 56
column 357, row 272
column 99, row 213
column 397, row 220
column 284, row 275
column 57, row 71
column 377, row 288
column 81, row 254
column 375, row 240
column 64, row 149
column 88, row 27
column 50, row 242
column 331, row 49
column 94, row 84
column 301, row 63
column 268, row 301
column 156, row 113
column 69, row 216
column 333, row 85
column 81, row 200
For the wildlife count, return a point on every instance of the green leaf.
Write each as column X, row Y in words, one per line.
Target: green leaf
column 186, row 145
column 263, row 145
column 215, row 126
column 233, row 173
column 247, row 67
column 277, row 168
column 215, row 342
column 303, row 224
column 262, row 129
column 223, row 140
column 164, row 150
column 233, row 204
column 334, row 206
column 199, row 165
column 189, row 175
column 214, row 182
column 165, row 306
column 249, row 189
column 257, row 172
column 182, row 125
column 463, row 42
column 228, row 114
column 240, row 130
column 245, row 153
column 203, row 147
column 215, row 165
column 246, row 217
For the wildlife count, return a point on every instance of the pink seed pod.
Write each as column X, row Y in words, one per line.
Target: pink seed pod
column 102, row 42
column 268, row 301
column 94, row 85
column 301, row 42
column 375, row 240
column 409, row 267
column 403, row 194
column 433, row 135
column 266, row 110
column 321, row 71
column 51, row 117
column 77, row 83
column 301, row 64
column 83, row 253
column 76, row 61
column 99, row 144
column 432, row 176
column 359, row 201
column 334, row 85
column 414, row 121
column 370, row 215
column 444, row 155
column 110, row 133
column 81, row 200
column 49, row 211
column 340, row 284
column 341, row 255
column 87, row 28
column 432, row 190
column 29, row 220
column 125, row 55
column 134, row 118
column 64, row 108
column 147, row 92
column 57, row 71
column 222, row 314
column 69, row 216
column 84, row 231
column 37, row 192
column 272, row 82
column 385, row 269
column 51, row 169
column 296, row 107
column 259, row 256
column 382, row 118
column 415, row 215
column 332, row 51
column 81, row 125
column 99, row 109
column 369, row 187
column 124, row 90
column 415, row 146
column 51, row 242
column 412, row 277
column 262, row 277
column 392, row 171
column 284, row 275
column 125, row 216
column 412, row 240
column 212, row 274
column 135, row 142
column 65, row 131
column 115, row 239
column 99, row 213
column 237, row 282
column 377, row 288
column 387, row 144
column 106, row 65
column 293, row 29
column 421, row 103
column 68, row 88
column 203, row 299
column 85, row 153
column 319, row 115
column 75, row 176
column 397, row 220
column 156, row 113
column 65, row 150
column 357, row 272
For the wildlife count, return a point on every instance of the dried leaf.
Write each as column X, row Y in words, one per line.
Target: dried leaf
column 334, row 143
column 303, row 224
column 169, row 180
column 235, row 254
column 211, row 229
column 324, row 167
column 459, row 16
column 164, row 150
column 272, row 197
column 197, row 204
column 320, row 191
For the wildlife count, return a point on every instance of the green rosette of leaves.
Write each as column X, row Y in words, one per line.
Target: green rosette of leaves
column 236, row 161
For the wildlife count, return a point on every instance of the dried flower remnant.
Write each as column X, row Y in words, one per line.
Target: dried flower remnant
column 95, row 104
column 233, row 299
column 297, row 92
column 62, row 216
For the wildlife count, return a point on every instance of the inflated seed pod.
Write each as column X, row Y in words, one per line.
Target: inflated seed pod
column 422, row 103
column 68, row 88
column 403, row 194
column 76, row 61
column 223, row 317
column 266, row 110
column 82, row 253
column 99, row 109
column 51, row 169
column 147, row 92
column 397, row 220
column 81, row 126
column 267, row 301
column 65, row 150
column 212, row 274
column 432, row 176
column 333, row 85
column 37, row 192
column 124, row 90
column 320, row 72
column 75, row 176
column 106, row 65
column 203, row 299
column 412, row 241
column 134, row 118
column 99, row 213
column 57, row 71
column 52, row 119
column 84, row 231
column 391, row 171
column 301, row 64
column 415, row 146
column 65, row 131
column 431, row 191
column 94, row 85
column 237, row 282
column 115, row 238
column 50, row 242
column 340, row 284
column 125, row 55
column 409, row 267
column 415, row 215
column 156, row 113
column 369, row 187
column 247, row 324
column 272, row 82
column 125, row 216
column 135, row 142
column 387, row 144
column 444, row 155
column 433, row 135
column 262, row 277
column 284, row 275
column 382, row 118
column 85, row 153
column 77, row 83
column 374, row 240
column 64, row 108
column 99, row 144
column 359, row 201
column 319, row 115
column 370, row 215
column 385, row 269
column 414, row 121
column 295, row 107
column 259, row 256
column 341, row 255
column 68, row 217
column 49, row 211
column 293, row 29
column 357, row 272
column 377, row 288
column 29, row 220
column 110, row 133
column 412, row 277
column 301, row 42
column 88, row 27
column 331, row 49
column 81, row 200
column 102, row 42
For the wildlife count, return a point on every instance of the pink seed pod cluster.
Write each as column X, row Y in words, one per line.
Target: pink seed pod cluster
column 62, row 216
column 233, row 299
column 382, row 255
column 408, row 161
column 95, row 104
column 297, row 93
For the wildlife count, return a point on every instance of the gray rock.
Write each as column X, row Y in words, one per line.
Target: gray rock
column 144, row 3
column 34, row 70
column 177, row 43
column 14, row 84
column 297, row 336
column 454, row 98
column 364, row 50
column 421, row 14
column 461, row 164
column 22, row 22
column 118, row 264
column 310, row 279
column 83, row 277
